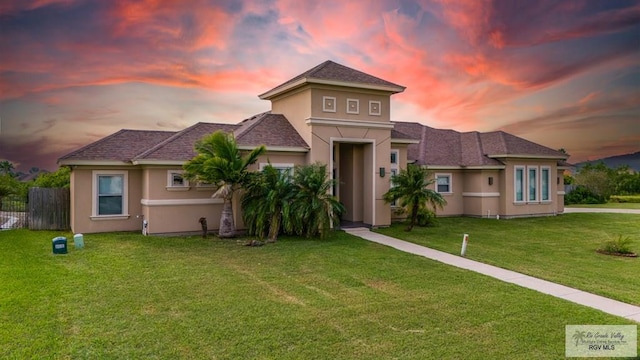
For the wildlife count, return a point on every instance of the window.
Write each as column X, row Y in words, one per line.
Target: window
column 545, row 180
column 532, row 194
column 353, row 106
column 176, row 181
column 443, row 183
column 110, row 193
column 395, row 166
column 280, row 167
column 328, row 104
column 375, row 108
column 519, row 183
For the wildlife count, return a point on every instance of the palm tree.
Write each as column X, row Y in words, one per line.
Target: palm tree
column 220, row 162
column 266, row 202
column 6, row 167
column 411, row 187
column 314, row 211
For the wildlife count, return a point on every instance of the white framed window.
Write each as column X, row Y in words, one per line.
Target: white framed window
column 545, row 183
column 395, row 158
column 110, row 192
column 176, row 180
column 353, row 106
column 518, row 184
column 394, row 168
column 375, row 108
column 532, row 183
column 281, row 167
column 329, row 104
column 443, row 183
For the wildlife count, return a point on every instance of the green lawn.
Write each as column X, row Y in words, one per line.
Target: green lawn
column 559, row 249
column 611, row 205
column 126, row 296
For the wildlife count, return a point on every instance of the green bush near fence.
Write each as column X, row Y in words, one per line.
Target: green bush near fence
column 13, row 203
column 625, row 199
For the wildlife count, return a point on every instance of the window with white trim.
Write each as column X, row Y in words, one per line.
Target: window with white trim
column 532, row 183
column 545, row 183
column 443, row 183
column 394, row 168
column 518, row 185
column 175, row 179
column 281, row 167
column 110, row 188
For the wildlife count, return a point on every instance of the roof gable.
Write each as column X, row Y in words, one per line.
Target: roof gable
column 271, row 130
column 333, row 73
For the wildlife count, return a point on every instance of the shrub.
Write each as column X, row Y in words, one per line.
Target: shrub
column 582, row 195
column 619, row 246
column 625, row 198
column 426, row 218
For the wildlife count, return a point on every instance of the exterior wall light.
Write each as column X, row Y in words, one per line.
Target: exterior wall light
column 490, row 180
column 381, row 172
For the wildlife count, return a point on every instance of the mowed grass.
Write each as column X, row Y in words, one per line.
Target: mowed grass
column 125, row 296
column 560, row 249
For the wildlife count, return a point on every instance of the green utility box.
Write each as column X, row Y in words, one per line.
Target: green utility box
column 59, row 245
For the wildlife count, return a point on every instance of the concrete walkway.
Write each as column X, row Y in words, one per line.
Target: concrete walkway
column 601, row 303
column 569, row 210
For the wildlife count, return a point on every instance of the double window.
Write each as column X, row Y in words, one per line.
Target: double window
column 110, row 193
column 532, row 182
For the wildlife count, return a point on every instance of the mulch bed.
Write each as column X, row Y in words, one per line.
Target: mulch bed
column 616, row 254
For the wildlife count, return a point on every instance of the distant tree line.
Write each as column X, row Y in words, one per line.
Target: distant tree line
column 10, row 183
column 596, row 183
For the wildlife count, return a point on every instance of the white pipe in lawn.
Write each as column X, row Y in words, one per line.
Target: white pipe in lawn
column 465, row 240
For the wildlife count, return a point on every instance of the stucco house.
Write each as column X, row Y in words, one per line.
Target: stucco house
column 331, row 114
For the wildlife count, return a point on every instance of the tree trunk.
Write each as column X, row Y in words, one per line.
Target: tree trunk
column 227, row 226
column 274, row 228
column 414, row 216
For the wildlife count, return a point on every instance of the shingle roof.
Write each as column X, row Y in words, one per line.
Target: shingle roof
column 271, row 130
column 332, row 71
column 180, row 146
column 439, row 147
column 120, row 146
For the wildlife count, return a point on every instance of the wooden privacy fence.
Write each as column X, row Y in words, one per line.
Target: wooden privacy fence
column 49, row 208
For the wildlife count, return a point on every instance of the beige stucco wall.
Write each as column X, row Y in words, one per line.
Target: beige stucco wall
column 454, row 206
column 296, row 107
column 373, row 147
column 508, row 206
column 481, row 198
column 82, row 202
column 341, row 95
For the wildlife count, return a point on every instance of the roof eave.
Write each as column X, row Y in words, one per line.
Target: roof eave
column 71, row 162
column 282, row 89
column 526, row 156
column 158, row 162
column 404, row 141
column 299, row 149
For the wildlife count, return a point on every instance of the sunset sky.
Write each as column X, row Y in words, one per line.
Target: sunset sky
column 565, row 74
